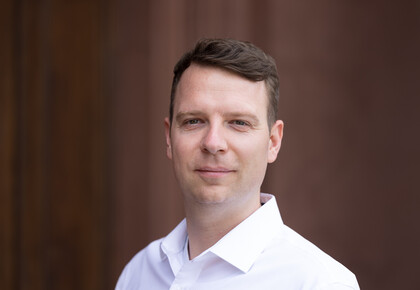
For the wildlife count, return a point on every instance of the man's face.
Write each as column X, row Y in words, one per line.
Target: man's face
column 219, row 140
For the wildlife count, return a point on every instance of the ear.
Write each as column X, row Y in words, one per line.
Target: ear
column 168, row 138
column 276, row 135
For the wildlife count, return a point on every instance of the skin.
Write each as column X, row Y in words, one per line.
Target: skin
column 220, row 144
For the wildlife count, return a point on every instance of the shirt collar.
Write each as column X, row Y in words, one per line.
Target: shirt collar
column 240, row 247
column 173, row 245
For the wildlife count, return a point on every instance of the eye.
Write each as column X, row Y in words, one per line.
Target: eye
column 192, row 122
column 240, row 123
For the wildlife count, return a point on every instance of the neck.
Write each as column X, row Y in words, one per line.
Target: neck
column 208, row 223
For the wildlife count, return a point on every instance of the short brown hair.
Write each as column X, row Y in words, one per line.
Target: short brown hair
column 240, row 57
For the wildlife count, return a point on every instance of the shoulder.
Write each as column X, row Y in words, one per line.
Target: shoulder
column 146, row 259
column 150, row 254
column 307, row 264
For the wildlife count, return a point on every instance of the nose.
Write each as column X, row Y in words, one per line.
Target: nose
column 213, row 141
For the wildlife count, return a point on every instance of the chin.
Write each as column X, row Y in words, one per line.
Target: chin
column 210, row 196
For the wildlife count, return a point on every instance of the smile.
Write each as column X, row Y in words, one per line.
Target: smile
column 216, row 172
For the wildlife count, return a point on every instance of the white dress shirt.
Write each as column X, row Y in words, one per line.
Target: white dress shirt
column 259, row 253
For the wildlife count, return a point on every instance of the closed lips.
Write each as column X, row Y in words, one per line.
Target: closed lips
column 221, row 170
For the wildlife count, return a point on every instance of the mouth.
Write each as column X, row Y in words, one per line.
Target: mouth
column 214, row 172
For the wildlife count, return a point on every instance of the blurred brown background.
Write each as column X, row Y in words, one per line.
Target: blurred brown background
column 84, row 87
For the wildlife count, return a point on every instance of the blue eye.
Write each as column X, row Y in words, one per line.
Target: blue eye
column 192, row 123
column 240, row 123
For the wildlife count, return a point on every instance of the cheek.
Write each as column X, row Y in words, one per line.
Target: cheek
column 253, row 156
column 182, row 153
column 257, row 149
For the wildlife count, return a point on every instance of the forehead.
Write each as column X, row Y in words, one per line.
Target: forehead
column 213, row 86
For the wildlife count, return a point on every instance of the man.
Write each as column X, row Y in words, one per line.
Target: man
column 221, row 133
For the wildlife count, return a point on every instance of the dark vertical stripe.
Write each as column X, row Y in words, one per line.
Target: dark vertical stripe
column 19, row 134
